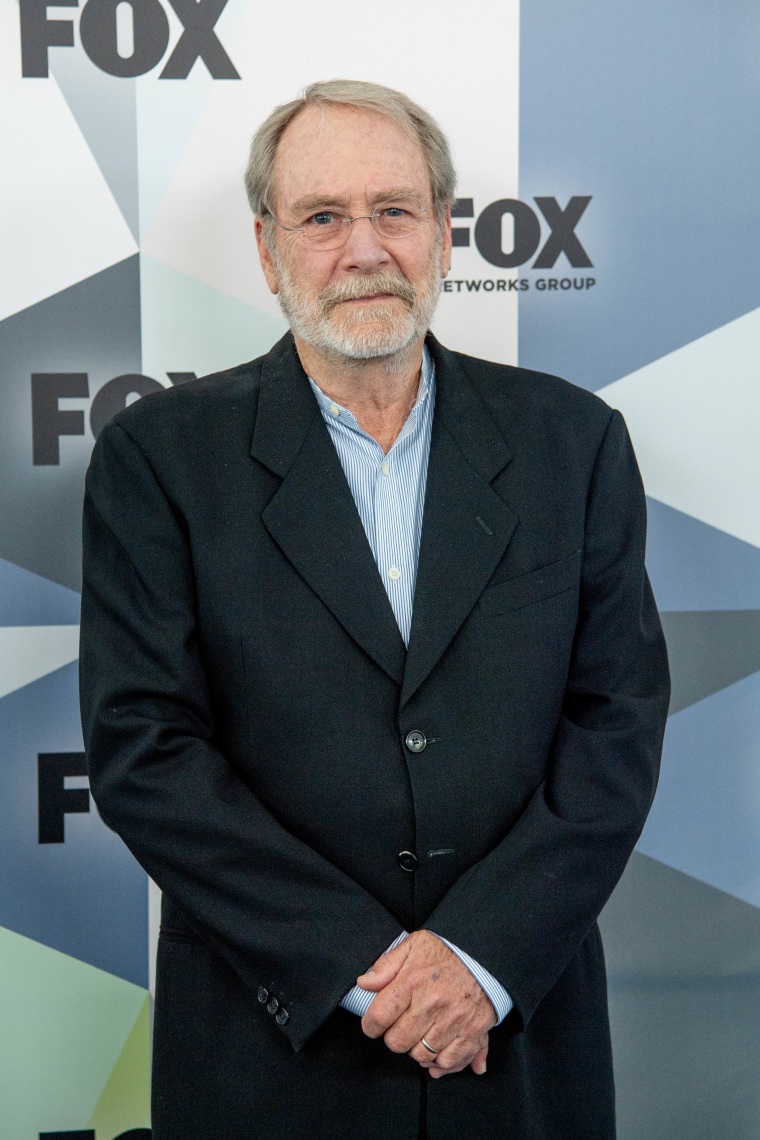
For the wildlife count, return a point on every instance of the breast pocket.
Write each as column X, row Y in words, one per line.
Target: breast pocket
column 534, row 586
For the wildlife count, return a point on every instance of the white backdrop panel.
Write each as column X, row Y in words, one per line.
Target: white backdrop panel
column 202, row 226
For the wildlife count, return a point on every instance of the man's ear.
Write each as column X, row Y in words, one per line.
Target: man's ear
column 446, row 243
column 265, row 257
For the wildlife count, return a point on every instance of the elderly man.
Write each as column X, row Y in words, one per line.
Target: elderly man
column 373, row 684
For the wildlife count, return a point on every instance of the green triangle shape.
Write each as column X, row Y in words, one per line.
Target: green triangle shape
column 63, row 1026
column 189, row 326
column 125, row 1101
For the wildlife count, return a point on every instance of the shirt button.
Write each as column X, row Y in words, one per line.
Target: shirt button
column 407, row 861
column 385, row 469
column 394, row 573
column 263, row 996
column 283, row 1017
column 334, row 410
column 273, row 1005
column 416, row 741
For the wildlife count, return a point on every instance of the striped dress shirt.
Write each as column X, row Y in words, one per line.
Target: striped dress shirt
column 389, row 492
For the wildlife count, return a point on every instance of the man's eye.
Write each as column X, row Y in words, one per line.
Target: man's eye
column 323, row 218
column 394, row 212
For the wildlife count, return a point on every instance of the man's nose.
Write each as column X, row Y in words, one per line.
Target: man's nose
column 364, row 248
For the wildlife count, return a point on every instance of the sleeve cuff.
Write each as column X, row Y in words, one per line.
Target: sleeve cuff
column 358, row 1000
column 494, row 991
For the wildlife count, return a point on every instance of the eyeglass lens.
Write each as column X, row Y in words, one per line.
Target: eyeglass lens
column 331, row 228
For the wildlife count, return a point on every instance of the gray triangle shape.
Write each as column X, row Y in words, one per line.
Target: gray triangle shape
column 105, row 108
column 709, row 650
column 92, row 327
column 684, row 980
column 661, row 923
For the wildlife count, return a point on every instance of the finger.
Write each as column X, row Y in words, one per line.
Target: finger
column 408, row 1033
column 403, row 1028
column 385, row 968
column 388, row 1006
column 404, row 1033
column 458, row 1054
column 478, row 1062
column 452, row 1051
column 437, row 1071
column 422, row 1055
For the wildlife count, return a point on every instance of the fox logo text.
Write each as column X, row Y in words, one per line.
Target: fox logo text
column 526, row 231
column 129, row 42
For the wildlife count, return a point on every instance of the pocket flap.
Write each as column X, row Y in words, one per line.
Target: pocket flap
column 534, row 586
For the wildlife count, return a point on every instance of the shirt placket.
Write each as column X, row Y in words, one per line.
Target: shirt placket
column 393, row 527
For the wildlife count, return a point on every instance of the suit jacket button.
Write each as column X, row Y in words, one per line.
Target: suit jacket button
column 263, row 996
column 416, row 741
column 283, row 1017
column 273, row 1005
column 407, row 861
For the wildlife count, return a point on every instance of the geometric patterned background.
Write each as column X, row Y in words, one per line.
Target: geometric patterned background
column 654, row 108
column 128, row 253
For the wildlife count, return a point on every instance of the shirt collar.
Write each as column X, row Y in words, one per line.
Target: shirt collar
column 332, row 411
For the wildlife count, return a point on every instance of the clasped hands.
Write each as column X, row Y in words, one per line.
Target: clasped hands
column 424, row 991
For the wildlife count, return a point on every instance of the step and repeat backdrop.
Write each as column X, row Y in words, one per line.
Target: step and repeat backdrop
column 607, row 229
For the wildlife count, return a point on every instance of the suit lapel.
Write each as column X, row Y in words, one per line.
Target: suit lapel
column 312, row 517
column 466, row 526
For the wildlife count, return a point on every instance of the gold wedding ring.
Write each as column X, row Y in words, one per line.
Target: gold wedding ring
column 429, row 1048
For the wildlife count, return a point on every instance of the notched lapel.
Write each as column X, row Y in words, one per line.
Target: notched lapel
column 466, row 526
column 313, row 518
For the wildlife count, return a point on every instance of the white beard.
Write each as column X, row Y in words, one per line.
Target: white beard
column 356, row 332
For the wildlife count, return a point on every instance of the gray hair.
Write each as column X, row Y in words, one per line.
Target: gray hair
column 410, row 117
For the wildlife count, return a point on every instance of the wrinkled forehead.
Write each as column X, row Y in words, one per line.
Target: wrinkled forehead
column 347, row 155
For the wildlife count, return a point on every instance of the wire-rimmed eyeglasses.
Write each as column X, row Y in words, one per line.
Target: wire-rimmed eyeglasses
column 328, row 229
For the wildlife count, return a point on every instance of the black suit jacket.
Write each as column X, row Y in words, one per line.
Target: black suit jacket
column 246, row 699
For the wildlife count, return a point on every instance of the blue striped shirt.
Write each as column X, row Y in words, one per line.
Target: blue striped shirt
column 389, row 491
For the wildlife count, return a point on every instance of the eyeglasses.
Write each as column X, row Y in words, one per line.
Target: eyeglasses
column 328, row 229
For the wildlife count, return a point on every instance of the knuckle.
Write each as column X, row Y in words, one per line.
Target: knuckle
column 452, row 1066
column 395, row 1042
column 459, row 1053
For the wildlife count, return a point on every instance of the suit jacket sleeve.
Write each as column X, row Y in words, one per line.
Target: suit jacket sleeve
column 524, row 909
column 281, row 914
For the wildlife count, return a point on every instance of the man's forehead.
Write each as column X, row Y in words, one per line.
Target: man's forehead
column 322, row 120
column 332, row 151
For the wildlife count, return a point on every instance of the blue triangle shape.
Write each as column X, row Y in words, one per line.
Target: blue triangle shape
column 703, row 820
column 30, row 599
column 87, row 896
column 694, row 566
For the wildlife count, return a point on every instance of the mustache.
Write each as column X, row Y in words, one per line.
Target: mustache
column 365, row 286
